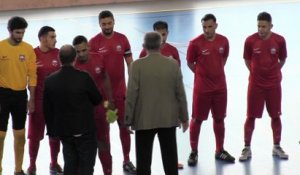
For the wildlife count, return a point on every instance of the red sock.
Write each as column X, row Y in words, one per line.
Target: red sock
column 125, row 141
column 194, row 133
column 106, row 161
column 219, row 130
column 248, row 130
column 33, row 152
column 276, row 127
column 54, row 149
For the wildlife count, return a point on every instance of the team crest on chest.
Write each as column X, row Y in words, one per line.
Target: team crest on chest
column 22, row 58
column 118, row 48
column 273, row 51
column 54, row 63
column 97, row 70
column 221, row 50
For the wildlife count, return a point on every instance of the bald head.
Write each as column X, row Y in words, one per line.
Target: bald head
column 67, row 54
column 152, row 41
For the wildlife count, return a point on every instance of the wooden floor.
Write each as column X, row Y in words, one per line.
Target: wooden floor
column 237, row 20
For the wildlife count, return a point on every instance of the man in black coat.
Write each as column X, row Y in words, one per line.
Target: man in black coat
column 69, row 99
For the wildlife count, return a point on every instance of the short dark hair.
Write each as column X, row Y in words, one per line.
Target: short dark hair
column 209, row 17
column 105, row 14
column 264, row 16
column 16, row 22
column 79, row 39
column 152, row 41
column 45, row 30
column 67, row 54
column 158, row 25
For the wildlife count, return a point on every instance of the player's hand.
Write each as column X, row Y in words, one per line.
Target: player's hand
column 30, row 106
column 129, row 130
column 108, row 104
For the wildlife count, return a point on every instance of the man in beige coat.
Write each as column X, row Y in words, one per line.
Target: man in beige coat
column 155, row 104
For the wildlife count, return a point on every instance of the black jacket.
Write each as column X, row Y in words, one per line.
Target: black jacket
column 69, row 99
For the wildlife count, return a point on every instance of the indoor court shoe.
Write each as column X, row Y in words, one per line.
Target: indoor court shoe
column 31, row 171
column 246, row 154
column 56, row 170
column 193, row 158
column 20, row 173
column 129, row 167
column 278, row 152
column 224, row 156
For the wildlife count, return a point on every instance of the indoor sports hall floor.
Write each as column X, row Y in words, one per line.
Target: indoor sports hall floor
column 237, row 20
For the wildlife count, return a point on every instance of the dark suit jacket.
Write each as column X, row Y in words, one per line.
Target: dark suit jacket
column 69, row 99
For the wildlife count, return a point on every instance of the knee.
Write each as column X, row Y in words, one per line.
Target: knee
column 102, row 146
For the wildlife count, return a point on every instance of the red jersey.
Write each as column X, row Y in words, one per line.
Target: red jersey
column 95, row 67
column 209, row 58
column 47, row 62
column 114, row 51
column 264, row 55
column 166, row 50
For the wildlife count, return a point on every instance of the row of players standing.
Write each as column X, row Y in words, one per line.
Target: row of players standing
column 264, row 54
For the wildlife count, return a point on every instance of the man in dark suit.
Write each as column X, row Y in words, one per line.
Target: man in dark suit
column 69, row 99
column 155, row 104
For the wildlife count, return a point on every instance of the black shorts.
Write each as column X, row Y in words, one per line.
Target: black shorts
column 14, row 103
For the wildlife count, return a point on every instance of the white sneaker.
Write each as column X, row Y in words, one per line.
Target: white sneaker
column 246, row 154
column 278, row 151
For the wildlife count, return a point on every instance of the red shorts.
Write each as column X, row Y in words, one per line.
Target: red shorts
column 258, row 97
column 36, row 123
column 204, row 102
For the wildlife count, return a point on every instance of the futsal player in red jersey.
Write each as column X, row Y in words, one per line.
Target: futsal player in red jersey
column 206, row 57
column 265, row 54
column 166, row 49
column 47, row 62
column 93, row 63
column 115, row 48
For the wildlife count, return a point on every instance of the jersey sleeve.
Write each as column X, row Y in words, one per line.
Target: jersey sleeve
column 226, row 49
column 32, row 68
column 127, row 48
column 143, row 53
column 247, row 50
column 282, row 50
column 191, row 53
column 176, row 56
column 92, row 45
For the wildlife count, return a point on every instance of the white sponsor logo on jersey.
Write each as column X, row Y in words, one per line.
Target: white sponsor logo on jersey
column 205, row 52
column 256, row 50
column 102, row 50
